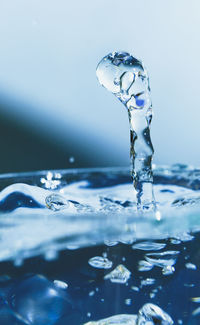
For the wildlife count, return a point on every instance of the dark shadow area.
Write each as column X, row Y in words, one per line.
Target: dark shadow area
column 22, row 149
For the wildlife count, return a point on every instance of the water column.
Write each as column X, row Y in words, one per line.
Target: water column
column 127, row 78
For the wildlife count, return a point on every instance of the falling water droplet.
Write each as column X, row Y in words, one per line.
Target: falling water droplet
column 71, row 160
column 127, row 78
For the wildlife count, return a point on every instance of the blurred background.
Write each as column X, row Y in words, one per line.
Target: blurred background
column 53, row 112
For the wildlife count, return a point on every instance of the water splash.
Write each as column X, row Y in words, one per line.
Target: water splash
column 127, row 78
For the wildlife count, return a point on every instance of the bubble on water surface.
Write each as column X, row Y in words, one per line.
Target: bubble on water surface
column 100, row 262
column 56, row 202
column 71, row 160
column 119, row 275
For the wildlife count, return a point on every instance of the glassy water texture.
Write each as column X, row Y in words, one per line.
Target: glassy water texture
column 127, row 78
column 75, row 251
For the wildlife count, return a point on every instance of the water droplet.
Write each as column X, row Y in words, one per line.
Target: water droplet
column 71, row 160
column 148, row 246
column 56, row 202
column 100, row 262
column 119, row 275
column 128, row 301
column 91, row 293
column 51, row 181
column 151, row 314
column 127, row 78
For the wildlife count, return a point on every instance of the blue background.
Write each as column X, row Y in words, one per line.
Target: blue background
column 51, row 105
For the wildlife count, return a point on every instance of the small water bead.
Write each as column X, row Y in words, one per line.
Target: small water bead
column 127, row 78
column 100, row 262
column 71, row 160
column 119, row 275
